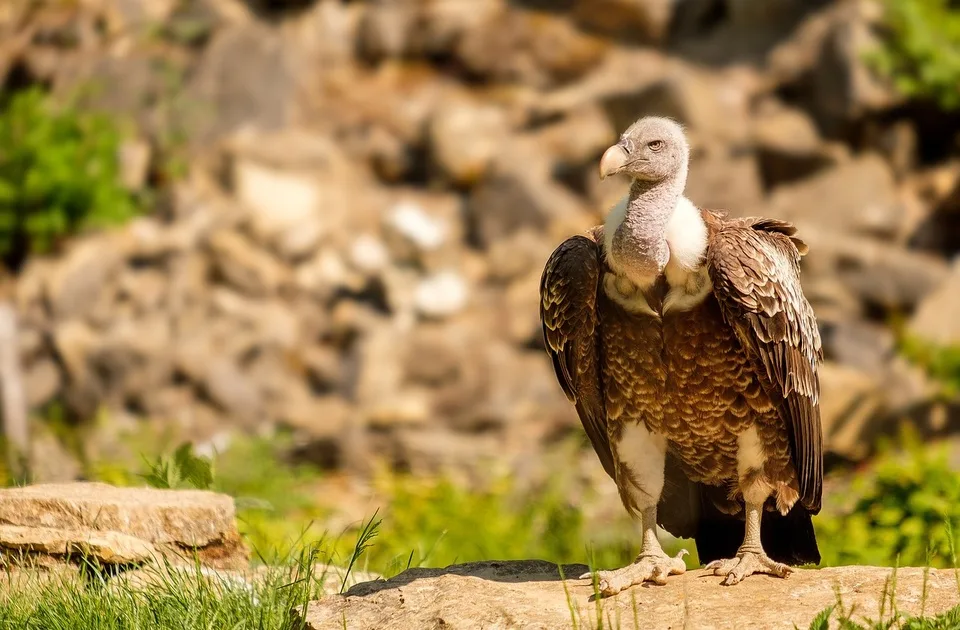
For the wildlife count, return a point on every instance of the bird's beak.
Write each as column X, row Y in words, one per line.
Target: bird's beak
column 613, row 160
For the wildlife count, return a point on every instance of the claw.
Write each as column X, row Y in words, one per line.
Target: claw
column 652, row 568
column 746, row 564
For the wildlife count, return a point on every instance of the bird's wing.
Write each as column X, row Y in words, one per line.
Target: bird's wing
column 755, row 268
column 568, row 312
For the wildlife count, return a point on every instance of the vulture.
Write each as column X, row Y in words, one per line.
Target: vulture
column 685, row 342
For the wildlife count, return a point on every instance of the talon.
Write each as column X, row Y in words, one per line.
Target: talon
column 745, row 564
column 586, row 576
column 647, row 568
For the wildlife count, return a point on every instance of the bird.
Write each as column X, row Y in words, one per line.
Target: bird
column 685, row 342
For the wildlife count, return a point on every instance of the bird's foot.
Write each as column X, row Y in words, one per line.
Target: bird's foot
column 646, row 568
column 745, row 564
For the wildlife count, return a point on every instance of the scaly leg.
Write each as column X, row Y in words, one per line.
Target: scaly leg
column 652, row 565
column 750, row 557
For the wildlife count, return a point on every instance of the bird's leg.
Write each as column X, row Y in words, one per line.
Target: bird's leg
column 750, row 557
column 652, row 565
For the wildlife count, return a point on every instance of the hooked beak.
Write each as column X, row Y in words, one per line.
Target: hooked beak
column 613, row 161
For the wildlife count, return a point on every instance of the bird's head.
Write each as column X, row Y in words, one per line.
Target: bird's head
column 652, row 149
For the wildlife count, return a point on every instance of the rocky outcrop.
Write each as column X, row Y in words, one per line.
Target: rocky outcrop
column 531, row 594
column 50, row 523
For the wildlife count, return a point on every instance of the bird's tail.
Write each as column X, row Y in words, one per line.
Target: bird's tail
column 789, row 539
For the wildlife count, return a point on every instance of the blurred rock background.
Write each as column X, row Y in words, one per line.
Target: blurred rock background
column 342, row 209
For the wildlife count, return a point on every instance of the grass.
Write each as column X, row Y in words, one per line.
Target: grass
column 173, row 600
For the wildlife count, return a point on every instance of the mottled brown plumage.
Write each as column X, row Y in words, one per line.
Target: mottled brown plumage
column 718, row 361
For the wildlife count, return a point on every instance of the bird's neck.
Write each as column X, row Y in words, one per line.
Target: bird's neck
column 639, row 247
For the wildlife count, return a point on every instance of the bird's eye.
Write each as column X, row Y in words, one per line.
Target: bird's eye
column 655, row 145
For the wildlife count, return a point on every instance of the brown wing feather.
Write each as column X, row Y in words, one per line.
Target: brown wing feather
column 568, row 313
column 755, row 265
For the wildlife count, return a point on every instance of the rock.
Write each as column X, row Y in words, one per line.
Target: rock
column 135, row 157
column 285, row 206
column 232, row 390
column 441, row 295
column 41, row 382
column 244, row 78
column 497, row 594
column 935, row 319
column 850, row 400
column 425, row 229
column 517, row 198
column 387, row 29
column 130, row 15
column 580, row 137
column 722, row 180
column 288, row 181
column 641, row 21
column 50, row 460
column 880, row 273
column 788, row 144
column 517, row 254
column 711, row 106
column 860, row 344
column 74, row 342
column 531, row 48
column 465, row 136
column 245, row 266
column 858, row 196
column 842, row 86
column 133, row 357
column 76, row 284
column 175, row 522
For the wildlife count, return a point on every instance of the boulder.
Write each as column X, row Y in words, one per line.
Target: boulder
column 516, row 198
column 789, row 146
column 711, row 105
column 243, row 79
column 121, row 525
column 725, row 180
column 77, row 282
column 245, row 266
column 935, row 320
column 850, row 401
column 642, row 21
column 859, row 196
column 465, row 136
column 531, row 593
column 880, row 273
column 533, row 48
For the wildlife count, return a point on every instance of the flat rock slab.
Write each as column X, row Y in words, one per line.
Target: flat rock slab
column 107, row 547
column 529, row 594
column 120, row 524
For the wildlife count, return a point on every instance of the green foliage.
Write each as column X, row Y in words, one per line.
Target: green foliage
column 58, row 174
column 184, row 469
column 902, row 510
column 177, row 600
column 922, row 51
column 941, row 362
column 277, row 507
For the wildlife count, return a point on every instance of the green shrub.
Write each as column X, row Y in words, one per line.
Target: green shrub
column 921, row 52
column 904, row 511
column 940, row 362
column 59, row 173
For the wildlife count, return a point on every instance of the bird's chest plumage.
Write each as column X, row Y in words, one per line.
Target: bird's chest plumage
column 684, row 376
